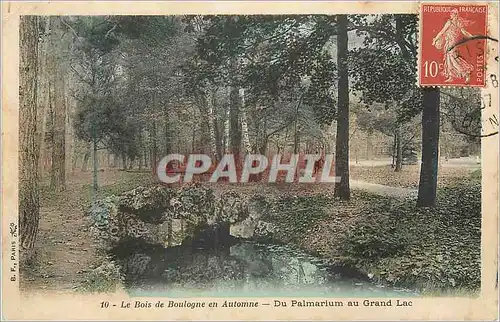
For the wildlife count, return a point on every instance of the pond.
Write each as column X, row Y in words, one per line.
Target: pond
column 245, row 269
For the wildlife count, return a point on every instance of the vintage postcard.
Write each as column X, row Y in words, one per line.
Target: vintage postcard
column 244, row 160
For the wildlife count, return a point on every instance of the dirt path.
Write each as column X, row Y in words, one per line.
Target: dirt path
column 384, row 190
column 64, row 251
column 464, row 162
column 65, row 248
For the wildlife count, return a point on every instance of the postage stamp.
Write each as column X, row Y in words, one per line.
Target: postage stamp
column 453, row 44
column 242, row 160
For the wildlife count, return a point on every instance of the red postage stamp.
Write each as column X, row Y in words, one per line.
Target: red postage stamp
column 452, row 44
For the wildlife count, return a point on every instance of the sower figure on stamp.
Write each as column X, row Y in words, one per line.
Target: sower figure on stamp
column 455, row 66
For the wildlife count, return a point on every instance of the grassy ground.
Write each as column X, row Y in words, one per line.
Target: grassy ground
column 445, row 238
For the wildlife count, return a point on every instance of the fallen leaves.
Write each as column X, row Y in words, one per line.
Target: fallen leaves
column 427, row 248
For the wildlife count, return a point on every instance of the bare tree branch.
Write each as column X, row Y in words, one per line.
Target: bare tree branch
column 110, row 31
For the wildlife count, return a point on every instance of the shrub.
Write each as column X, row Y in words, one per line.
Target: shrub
column 375, row 237
column 296, row 215
column 104, row 279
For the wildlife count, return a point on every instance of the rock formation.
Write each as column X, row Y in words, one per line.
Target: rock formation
column 190, row 215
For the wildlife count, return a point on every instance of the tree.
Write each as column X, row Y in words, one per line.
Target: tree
column 286, row 65
column 342, row 140
column 43, row 98
column 430, row 144
column 462, row 110
column 152, row 57
column 387, row 32
column 57, row 106
column 28, row 145
column 383, row 72
column 95, row 68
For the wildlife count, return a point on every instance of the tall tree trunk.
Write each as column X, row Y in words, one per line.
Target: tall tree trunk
column 94, row 88
column 212, row 124
column 263, row 145
column 94, row 165
column 244, row 123
column 71, row 104
column 43, row 92
column 168, row 134
column 193, row 135
column 295, row 133
column 258, row 133
column 154, row 144
column 70, row 140
column 140, row 153
column 29, row 206
column 342, row 140
column 445, row 146
column 124, row 161
column 393, row 164
column 430, row 146
column 235, row 128
column 153, row 152
column 115, row 161
column 265, row 138
column 234, row 115
column 226, row 131
column 46, row 130
column 399, row 150
column 369, row 144
column 74, row 162
column 218, row 137
column 203, row 141
column 86, row 156
column 58, row 172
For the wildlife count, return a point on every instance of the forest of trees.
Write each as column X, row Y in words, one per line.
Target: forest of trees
column 139, row 87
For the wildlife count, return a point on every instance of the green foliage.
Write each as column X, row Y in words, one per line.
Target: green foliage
column 93, row 34
column 104, row 279
column 109, row 122
column 462, row 110
column 272, row 54
column 98, row 111
column 100, row 116
column 296, row 215
column 101, row 210
column 476, row 175
column 382, row 76
column 110, row 108
column 366, row 241
column 383, row 69
column 319, row 94
column 151, row 30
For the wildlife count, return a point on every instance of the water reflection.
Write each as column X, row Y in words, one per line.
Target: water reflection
column 247, row 268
